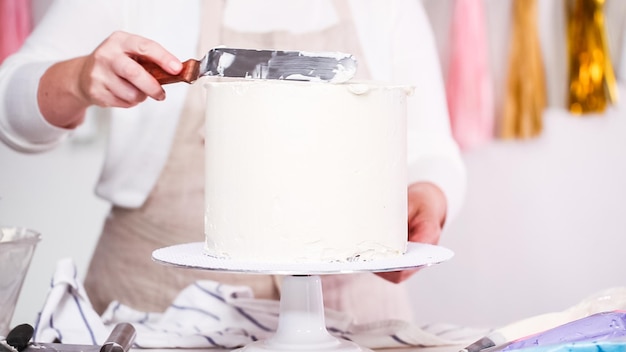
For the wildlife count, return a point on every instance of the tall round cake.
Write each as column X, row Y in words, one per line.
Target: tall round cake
column 305, row 171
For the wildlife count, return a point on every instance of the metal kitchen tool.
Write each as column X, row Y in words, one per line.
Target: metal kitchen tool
column 334, row 67
column 17, row 246
column 120, row 340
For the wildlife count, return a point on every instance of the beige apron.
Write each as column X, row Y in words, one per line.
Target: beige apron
column 121, row 267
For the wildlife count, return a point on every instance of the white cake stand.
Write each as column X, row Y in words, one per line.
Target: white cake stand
column 301, row 323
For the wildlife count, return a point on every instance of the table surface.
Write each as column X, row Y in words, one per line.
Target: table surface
column 55, row 347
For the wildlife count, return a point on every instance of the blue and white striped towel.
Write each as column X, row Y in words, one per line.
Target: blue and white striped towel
column 208, row 314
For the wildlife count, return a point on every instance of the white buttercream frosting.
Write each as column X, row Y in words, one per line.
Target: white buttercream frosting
column 305, row 171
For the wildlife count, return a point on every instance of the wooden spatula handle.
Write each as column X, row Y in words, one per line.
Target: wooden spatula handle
column 189, row 73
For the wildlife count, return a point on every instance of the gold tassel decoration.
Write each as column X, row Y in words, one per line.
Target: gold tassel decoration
column 592, row 83
column 525, row 97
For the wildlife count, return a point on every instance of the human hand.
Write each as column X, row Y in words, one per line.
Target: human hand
column 427, row 208
column 108, row 77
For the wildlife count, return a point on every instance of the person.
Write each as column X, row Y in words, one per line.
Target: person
column 80, row 60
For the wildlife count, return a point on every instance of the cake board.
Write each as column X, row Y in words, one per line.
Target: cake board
column 301, row 323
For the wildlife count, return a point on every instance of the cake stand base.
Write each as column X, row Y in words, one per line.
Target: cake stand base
column 301, row 324
column 267, row 346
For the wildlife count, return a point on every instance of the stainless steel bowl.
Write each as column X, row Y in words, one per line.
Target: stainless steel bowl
column 17, row 245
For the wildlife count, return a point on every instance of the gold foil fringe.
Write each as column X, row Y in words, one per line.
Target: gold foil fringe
column 592, row 84
column 525, row 96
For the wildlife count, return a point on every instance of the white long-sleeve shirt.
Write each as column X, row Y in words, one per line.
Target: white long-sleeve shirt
column 397, row 44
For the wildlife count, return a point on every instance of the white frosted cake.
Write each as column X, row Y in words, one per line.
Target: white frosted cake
column 305, row 171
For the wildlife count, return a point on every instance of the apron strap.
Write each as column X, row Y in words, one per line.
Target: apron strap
column 211, row 15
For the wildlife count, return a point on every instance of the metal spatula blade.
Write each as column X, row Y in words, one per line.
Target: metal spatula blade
column 334, row 67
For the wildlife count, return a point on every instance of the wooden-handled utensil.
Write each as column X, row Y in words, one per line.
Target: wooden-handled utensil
column 334, row 67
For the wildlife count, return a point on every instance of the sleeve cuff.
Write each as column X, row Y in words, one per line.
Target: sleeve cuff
column 24, row 128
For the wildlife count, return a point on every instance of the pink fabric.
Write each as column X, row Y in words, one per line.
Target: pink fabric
column 469, row 86
column 15, row 25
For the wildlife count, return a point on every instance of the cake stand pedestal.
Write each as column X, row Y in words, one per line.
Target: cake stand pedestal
column 301, row 323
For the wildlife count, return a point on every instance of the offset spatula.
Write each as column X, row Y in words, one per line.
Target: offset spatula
column 331, row 67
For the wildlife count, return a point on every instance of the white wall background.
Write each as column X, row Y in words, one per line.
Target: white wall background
column 543, row 225
column 544, row 221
